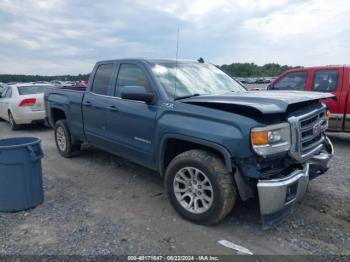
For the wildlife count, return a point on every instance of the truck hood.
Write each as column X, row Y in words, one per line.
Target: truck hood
column 267, row 102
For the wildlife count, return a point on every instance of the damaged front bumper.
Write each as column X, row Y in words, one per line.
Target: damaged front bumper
column 278, row 197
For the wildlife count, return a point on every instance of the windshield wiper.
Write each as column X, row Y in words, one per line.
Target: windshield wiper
column 183, row 97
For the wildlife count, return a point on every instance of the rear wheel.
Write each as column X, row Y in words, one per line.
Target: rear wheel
column 199, row 187
column 64, row 140
column 12, row 122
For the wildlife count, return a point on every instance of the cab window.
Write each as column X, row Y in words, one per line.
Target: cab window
column 325, row 81
column 292, row 81
column 102, row 78
column 131, row 75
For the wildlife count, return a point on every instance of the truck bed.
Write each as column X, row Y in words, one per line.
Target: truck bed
column 70, row 99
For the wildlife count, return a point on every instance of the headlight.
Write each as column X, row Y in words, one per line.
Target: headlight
column 271, row 139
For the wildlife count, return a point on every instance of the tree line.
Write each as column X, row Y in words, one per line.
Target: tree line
column 253, row 70
column 5, row 78
column 234, row 70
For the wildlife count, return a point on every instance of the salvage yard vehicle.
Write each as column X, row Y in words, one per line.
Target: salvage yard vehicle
column 212, row 140
column 334, row 79
column 23, row 104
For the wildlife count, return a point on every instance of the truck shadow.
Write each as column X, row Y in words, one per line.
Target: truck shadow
column 243, row 213
column 35, row 128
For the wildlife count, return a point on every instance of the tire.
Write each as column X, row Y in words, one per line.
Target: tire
column 12, row 122
column 63, row 140
column 210, row 172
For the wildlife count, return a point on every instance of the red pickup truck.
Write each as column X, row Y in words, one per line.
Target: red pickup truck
column 333, row 79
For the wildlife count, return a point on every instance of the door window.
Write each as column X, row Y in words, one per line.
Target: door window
column 292, row 81
column 4, row 93
column 102, row 78
column 9, row 93
column 325, row 81
column 131, row 75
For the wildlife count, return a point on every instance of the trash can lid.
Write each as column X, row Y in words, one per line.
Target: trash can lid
column 16, row 142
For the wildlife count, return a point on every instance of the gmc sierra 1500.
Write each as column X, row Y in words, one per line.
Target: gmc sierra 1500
column 211, row 139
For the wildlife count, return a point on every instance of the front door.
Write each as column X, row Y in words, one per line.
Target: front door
column 131, row 124
column 295, row 81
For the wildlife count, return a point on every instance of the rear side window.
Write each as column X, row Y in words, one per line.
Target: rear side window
column 30, row 90
column 325, row 81
column 131, row 75
column 102, row 78
column 292, row 81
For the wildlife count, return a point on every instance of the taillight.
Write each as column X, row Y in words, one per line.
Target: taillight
column 28, row 102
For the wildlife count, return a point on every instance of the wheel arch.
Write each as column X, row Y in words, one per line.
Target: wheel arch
column 57, row 113
column 173, row 144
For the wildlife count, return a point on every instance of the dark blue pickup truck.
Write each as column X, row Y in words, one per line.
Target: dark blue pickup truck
column 212, row 140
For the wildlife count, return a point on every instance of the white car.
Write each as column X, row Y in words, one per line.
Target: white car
column 23, row 104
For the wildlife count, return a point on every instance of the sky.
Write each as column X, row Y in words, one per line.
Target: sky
column 52, row 37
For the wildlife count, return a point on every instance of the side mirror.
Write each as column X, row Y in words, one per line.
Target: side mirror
column 138, row 93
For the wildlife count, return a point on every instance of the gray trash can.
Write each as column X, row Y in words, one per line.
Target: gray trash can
column 21, row 185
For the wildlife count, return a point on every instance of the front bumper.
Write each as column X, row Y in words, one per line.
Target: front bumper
column 320, row 163
column 277, row 197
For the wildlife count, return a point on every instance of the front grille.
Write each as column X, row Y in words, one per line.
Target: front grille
column 307, row 133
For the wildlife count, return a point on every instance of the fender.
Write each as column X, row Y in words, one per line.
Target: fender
column 50, row 111
column 224, row 152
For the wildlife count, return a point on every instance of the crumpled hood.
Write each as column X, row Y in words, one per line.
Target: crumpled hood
column 267, row 102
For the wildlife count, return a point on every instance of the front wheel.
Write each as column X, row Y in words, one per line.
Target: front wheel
column 199, row 187
column 63, row 139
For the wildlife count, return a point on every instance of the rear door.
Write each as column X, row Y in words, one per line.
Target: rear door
column 6, row 102
column 330, row 80
column 3, row 104
column 95, row 108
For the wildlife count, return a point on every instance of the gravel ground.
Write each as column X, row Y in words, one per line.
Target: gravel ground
column 97, row 203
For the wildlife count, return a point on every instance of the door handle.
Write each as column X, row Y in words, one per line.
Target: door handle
column 87, row 103
column 113, row 108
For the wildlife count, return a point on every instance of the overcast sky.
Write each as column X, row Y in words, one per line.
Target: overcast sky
column 69, row 36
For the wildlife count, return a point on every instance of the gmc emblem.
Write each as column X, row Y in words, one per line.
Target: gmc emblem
column 317, row 129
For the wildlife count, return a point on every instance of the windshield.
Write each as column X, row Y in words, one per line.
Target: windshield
column 194, row 79
column 31, row 90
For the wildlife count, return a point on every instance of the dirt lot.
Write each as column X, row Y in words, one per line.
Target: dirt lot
column 97, row 203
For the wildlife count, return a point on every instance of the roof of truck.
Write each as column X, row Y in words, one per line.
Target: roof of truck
column 152, row 61
column 319, row 67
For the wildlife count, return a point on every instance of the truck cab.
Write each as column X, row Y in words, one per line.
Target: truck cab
column 330, row 79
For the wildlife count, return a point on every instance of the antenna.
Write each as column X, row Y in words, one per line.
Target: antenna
column 176, row 58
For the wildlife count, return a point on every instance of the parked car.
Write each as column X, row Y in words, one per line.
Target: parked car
column 81, row 84
column 59, row 83
column 23, row 104
column 260, row 80
column 212, row 140
column 334, row 79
